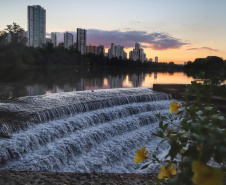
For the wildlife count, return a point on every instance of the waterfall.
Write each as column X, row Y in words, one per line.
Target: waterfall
column 86, row 131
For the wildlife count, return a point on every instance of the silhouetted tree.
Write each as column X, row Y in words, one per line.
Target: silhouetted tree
column 209, row 64
column 214, row 63
column 48, row 46
column 15, row 32
column 3, row 36
column 61, row 45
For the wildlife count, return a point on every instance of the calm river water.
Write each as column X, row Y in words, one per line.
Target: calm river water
column 38, row 82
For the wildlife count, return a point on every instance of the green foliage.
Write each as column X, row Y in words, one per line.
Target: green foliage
column 49, row 55
column 15, row 32
column 200, row 136
column 211, row 64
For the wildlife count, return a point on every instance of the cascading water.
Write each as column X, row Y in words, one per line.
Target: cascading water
column 90, row 131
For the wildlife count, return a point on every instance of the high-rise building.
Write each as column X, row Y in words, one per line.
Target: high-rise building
column 91, row 49
column 54, row 39
column 100, row 50
column 97, row 50
column 68, row 39
column 116, row 51
column 137, row 53
column 156, row 59
column 81, row 40
column 137, row 45
column 111, row 51
column 36, row 17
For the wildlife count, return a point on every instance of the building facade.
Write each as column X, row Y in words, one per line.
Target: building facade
column 156, row 59
column 54, row 39
column 97, row 50
column 116, row 51
column 36, row 17
column 137, row 53
column 101, row 50
column 91, row 49
column 68, row 40
column 81, row 40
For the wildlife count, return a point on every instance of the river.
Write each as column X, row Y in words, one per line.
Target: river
column 39, row 82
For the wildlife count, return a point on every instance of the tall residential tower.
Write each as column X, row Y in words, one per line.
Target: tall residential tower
column 54, row 39
column 116, row 51
column 36, row 19
column 68, row 39
column 137, row 53
column 81, row 40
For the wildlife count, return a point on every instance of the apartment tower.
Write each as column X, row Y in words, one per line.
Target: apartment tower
column 116, row 51
column 156, row 59
column 137, row 53
column 54, row 39
column 81, row 40
column 68, row 39
column 36, row 17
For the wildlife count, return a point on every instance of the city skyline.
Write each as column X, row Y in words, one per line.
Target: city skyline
column 174, row 31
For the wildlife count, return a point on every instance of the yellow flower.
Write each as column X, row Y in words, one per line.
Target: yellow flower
column 206, row 175
column 174, row 107
column 166, row 173
column 199, row 148
column 182, row 151
column 141, row 155
column 171, row 135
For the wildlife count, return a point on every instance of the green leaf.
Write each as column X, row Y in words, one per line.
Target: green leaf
column 165, row 127
column 175, row 148
column 158, row 115
column 145, row 166
column 198, row 138
column 160, row 134
column 154, row 134
column 207, row 154
column 160, row 124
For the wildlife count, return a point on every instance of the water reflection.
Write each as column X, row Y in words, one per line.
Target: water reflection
column 155, row 75
column 54, row 81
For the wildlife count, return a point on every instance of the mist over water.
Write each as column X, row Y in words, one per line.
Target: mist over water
column 89, row 131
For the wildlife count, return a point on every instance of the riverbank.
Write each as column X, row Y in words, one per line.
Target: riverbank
column 55, row 178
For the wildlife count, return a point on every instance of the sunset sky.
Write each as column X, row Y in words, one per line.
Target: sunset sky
column 173, row 30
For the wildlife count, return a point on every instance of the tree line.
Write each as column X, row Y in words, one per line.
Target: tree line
column 15, row 53
column 210, row 66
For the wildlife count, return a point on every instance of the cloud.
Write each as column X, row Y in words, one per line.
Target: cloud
column 156, row 41
column 208, row 48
